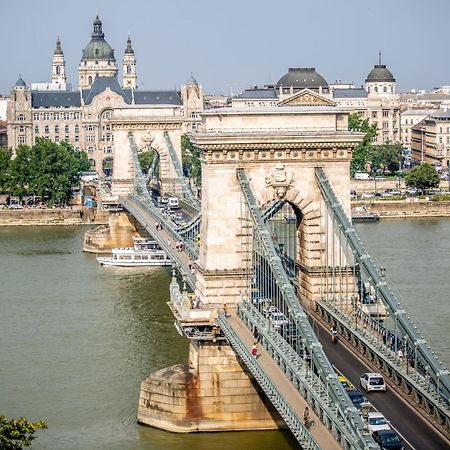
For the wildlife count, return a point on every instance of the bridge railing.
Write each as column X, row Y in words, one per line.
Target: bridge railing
column 353, row 424
column 291, row 418
column 402, row 323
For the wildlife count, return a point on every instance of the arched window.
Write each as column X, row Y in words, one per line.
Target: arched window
column 90, row 80
column 375, row 88
column 66, row 129
column 77, row 129
column 384, row 89
column 96, row 52
column 58, row 70
column 368, row 89
column 56, row 129
column 129, row 69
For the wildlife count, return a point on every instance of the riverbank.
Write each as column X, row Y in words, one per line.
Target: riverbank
column 411, row 207
column 49, row 216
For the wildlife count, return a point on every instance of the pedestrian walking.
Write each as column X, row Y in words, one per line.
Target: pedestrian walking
column 256, row 335
column 225, row 310
column 254, row 351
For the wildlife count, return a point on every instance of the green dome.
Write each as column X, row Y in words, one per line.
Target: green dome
column 302, row 78
column 98, row 48
column 380, row 73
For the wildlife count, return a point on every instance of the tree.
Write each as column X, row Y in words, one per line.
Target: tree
column 18, row 433
column 5, row 166
column 146, row 159
column 385, row 157
column 423, row 177
column 191, row 159
column 361, row 153
column 48, row 170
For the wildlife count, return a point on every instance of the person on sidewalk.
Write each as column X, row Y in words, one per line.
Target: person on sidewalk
column 254, row 351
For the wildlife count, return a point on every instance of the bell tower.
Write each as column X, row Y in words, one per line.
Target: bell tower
column 58, row 65
column 129, row 67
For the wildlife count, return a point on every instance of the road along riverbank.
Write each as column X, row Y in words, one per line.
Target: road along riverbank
column 411, row 207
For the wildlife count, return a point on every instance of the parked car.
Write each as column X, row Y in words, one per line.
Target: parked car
column 376, row 422
column 388, row 440
column 367, row 195
column 357, row 398
column 372, row 382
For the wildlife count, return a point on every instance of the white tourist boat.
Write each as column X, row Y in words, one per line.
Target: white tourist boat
column 145, row 252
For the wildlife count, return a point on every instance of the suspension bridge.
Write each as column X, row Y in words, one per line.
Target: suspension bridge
column 272, row 241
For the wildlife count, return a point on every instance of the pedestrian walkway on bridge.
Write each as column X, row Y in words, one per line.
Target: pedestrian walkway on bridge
column 318, row 431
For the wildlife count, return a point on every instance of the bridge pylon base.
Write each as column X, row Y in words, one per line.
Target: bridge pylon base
column 214, row 392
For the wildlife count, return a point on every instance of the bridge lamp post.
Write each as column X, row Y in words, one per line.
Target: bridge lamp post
column 365, row 408
column 405, row 353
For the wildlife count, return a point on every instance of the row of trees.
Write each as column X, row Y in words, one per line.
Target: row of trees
column 47, row 170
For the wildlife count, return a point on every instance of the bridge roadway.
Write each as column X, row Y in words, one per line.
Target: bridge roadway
column 418, row 432
column 319, row 432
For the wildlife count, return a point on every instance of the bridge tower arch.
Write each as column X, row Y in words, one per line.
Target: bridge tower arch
column 279, row 151
column 150, row 128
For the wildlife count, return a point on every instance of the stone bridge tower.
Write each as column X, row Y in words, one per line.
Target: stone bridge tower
column 279, row 148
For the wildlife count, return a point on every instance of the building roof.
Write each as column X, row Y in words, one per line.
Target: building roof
column 58, row 49
column 102, row 83
column 440, row 114
column 98, row 48
column 55, row 99
column 302, row 77
column 350, row 93
column 258, row 93
column 192, row 81
column 380, row 73
column 157, row 98
column 20, row 82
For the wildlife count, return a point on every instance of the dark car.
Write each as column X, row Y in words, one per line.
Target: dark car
column 388, row 440
column 357, row 398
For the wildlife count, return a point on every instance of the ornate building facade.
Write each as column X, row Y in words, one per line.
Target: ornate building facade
column 377, row 100
column 83, row 117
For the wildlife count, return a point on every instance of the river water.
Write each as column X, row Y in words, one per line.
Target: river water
column 76, row 339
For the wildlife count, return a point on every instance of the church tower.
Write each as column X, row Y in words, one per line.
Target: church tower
column 98, row 58
column 129, row 67
column 58, row 65
column 192, row 98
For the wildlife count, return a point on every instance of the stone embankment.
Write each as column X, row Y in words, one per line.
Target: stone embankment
column 48, row 216
column 412, row 207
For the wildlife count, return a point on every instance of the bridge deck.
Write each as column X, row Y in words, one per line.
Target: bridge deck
column 319, row 432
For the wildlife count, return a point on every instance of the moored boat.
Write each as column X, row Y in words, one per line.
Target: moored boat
column 145, row 252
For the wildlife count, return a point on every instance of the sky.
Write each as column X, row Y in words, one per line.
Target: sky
column 230, row 45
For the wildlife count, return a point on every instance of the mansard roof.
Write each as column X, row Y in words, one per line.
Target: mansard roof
column 55, row 99
column 157, row 98
column 100, row 84
column 350, row 93
column 261, row 93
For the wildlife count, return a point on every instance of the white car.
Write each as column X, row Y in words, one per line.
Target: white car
column 372, row 382
column 278, row 319
column 376, row 422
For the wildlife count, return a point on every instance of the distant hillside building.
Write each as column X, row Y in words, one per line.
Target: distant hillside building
column 83, row 117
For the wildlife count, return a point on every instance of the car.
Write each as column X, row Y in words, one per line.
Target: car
column 376, row 422
column 345, row 383
column 278, row 319
column 372, row 382
column 357, row 397
column 367, row 195
column 388, row 440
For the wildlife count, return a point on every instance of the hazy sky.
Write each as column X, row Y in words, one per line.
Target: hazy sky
column 232, row 43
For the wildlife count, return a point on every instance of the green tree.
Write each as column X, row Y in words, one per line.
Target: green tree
column 191, row 159
column 5, row 167
column 48, row 170
column 385, row 157
column 423, row 177
column 361, row 153
column 18, row 433
column 146, row 159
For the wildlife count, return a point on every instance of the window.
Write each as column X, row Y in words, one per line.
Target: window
column 56, row 129
column 46, row 129
column 36, row 129
column 36, row 116
column 374, row 114
column 107, row 114
column 46, row 116
column 90, row 128
column 440, row 129
column 385, row 125
column 66, row 129
column 21, row 117
column 385, row 113
column 375, row 88
column 56, row 139
column 22, row 140
column 440, row 140
column 21, row 129
column 108, row 149
column 77, row 138
column 385, row 89
column 90, row 78
column 58, row 70
column 77, row 129
column 368, row 89
column 90, row 149
column 76, row 115
column 128, row 69
column 56, row 116
column 66, row 139
column 90, row 138
column 66, row 116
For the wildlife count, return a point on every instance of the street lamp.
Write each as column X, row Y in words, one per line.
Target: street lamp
column 365, row 408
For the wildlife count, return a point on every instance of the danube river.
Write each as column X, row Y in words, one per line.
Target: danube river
column 76, row 339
